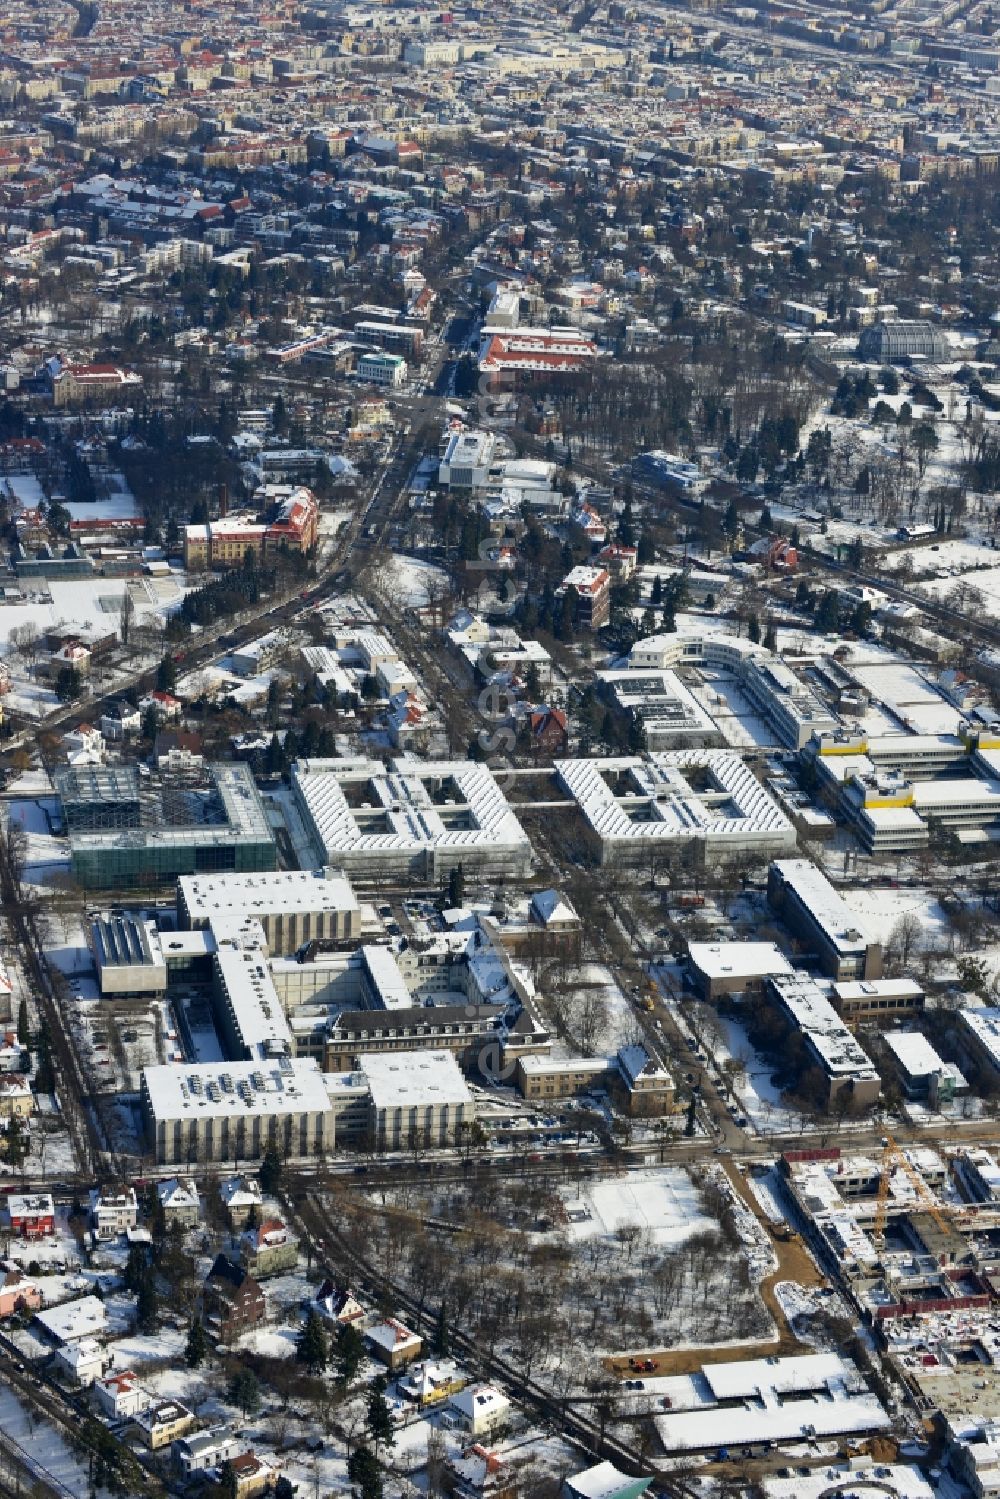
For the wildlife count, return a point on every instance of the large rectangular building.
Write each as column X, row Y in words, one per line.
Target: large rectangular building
column 706, row 802
column 292, row 906
column 123, row 835
column 839, row 1056
column 233, row 1111
column 418, row 1098
column 818, row 914
column 409, row 817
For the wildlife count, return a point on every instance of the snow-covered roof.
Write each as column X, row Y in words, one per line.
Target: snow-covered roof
column 74, row 1320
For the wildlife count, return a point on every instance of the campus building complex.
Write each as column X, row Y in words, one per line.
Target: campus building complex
column 706, row 803
column 409, row 817
column 129, row 830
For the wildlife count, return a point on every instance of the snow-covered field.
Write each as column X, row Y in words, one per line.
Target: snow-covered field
column 881, row 909
column 414, row 582
column 664, row 1202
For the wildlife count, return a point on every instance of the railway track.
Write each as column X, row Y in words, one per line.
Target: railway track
column 568, row 1416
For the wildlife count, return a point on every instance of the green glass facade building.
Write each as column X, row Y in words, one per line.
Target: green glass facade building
column 127, row 830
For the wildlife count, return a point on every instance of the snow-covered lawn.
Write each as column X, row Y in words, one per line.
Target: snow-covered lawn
column 665, row 1202
column 881, row 909
column 412, row 581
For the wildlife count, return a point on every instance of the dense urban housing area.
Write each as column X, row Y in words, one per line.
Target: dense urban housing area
column 499, row 750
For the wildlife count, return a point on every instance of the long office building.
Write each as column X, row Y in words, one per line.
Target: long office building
column 894, row 788
column 236, row 1111
column 707, row 802
column 790, row 706
column 845, row 1065
column 233, row 1111
column 818, row 914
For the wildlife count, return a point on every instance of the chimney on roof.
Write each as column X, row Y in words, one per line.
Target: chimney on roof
column 223, row 500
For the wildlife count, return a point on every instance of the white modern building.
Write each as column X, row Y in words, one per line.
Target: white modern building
column 380, row 368
column 844, row 1063
column 707, row 802
column 466, row 460
column 232, row 1111
column 410, row 817
column 128, row 956
column 788, row 704
column 113, row 1213
column 292, row 906
column 817, row 1395
column 668, row 713
column 817, row 913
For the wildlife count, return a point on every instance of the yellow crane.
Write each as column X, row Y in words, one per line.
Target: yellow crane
column 893, row 1156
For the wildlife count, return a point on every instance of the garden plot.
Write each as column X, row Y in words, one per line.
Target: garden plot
column 665, row 1203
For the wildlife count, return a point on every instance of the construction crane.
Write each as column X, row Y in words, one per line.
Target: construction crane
column 893, row 1156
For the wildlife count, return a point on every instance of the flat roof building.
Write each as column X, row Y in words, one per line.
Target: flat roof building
column 130, row 831
column 845, row 1065
column 232, row 1111
column 417, row 1098
column 818, row 914
column 707, row 801
column 292, row 906
column 668, row 713
column 723, row 968
column 923, row 1073
column 410, row 817
column 128, row 956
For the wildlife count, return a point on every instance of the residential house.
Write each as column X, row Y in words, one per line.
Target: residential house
column 73, row 1321
column 232, row 1301
column 252, row 1474
column 552, row 911
column 202, row 1450
column 269, row 1249
column 619, row 560
column 163, row 1422
column 407, row 721
column 590, row 523
column 431, row 1382
column 113, row 1213
column 241, row 1195
column 120, row 1396
column 18, row 1293
column 548, row 733
column 84, row 745
column 16, row 1098
column 164, row 705
column 392, row 1343
column 180, row 1202
column 120, row 721
column 592, row 586
column 338, row 1305
column 83, row 1361
column 12, row 1056
column 481, row 1409
column 31, row 1216
column 74, row 654
column 178, row 751
column 478, row 1473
